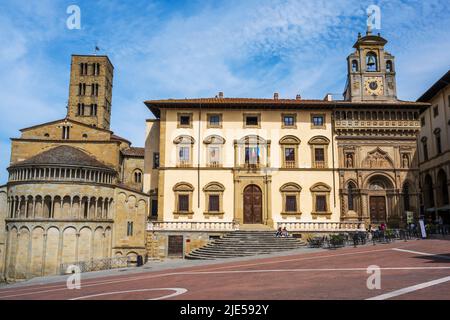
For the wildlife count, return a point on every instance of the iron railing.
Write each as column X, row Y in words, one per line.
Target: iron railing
column 96, row 264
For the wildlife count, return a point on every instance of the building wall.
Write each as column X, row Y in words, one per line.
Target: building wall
column 131, row 165
column 232, row 129
column 132, row 207
column 3, row 212
column 152, row 134
column 38, row 245
column 437, row 167
column 54, row 132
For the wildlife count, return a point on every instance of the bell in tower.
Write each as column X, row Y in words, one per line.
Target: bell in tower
column 371, row 75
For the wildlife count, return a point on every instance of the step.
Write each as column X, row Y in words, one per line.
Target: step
column 245, row 243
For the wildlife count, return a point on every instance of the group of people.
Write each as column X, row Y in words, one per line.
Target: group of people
column 282, row 233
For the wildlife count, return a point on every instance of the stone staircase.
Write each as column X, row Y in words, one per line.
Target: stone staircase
column 245, row 243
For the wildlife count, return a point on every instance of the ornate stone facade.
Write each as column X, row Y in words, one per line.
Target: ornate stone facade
column 348, row 163
column 434, row 152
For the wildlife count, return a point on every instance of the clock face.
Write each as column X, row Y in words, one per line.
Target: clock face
column 373, row 86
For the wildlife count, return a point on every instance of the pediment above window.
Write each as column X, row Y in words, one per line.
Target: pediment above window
column 214, row 139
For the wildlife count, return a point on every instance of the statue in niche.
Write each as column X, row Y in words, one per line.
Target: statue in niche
column 349, row 161
column 405, row 161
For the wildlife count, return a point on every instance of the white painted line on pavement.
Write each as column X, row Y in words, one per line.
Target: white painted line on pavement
column 422, row 253
column 406, row 290
column 177, row 292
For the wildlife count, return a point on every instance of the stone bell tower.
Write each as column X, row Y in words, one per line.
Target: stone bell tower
column 90, row 90
column 371, row 71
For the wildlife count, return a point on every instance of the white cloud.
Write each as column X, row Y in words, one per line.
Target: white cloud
column 244, row 48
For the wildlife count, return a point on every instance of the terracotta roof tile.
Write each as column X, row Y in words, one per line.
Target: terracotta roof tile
column 134, row 152
column 116, row 137
column 63, row 155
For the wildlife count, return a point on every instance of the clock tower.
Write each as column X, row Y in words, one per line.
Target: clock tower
column 371, row 71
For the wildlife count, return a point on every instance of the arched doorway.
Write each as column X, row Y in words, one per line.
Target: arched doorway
column 378, row 198
column 252, row 205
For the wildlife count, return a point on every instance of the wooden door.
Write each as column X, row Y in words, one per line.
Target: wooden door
column 252, row 205
column 175, row 248
column 378, row 209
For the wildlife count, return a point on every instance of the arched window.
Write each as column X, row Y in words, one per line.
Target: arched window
column 214, row 150
column 184, row 150
column 137, row 176
column 371, row 62
column 319, row 151
column 389, row 66
column 351, row 195
column 289, row 147
column 355, row 66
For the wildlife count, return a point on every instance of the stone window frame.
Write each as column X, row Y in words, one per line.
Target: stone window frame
column 244, row 122
column 283, row 125
column 321, row 189
column 212, row 126
column 251, row 141
column 184, row 141
column 155, row 160
column 315, row 143
column 435, row 111
column 184, row 114
column 323, row 115
column 214, row 189
column 290, row 189
column 216, row 141
column 137, row 173
column 183, row 188
column 425, row 151
column 351, row 193
column 289, row 142
column 438, row 140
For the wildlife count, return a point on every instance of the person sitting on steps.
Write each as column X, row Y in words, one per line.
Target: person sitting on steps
column 278, row 233
column 284, row 233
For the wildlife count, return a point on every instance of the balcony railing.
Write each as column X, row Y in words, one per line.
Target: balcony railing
column 214, row 164
column 184, row 164
column 319, row 164
column 290, row 164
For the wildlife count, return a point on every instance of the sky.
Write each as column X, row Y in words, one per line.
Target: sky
column 178, row 49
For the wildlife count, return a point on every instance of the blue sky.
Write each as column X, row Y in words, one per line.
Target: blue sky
column 177, row 49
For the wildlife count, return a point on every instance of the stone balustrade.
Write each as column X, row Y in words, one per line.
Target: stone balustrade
column 322, row 226
column 191, row 226
column 377, row 123
column 231, row 226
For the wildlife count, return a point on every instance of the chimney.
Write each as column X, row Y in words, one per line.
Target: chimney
column 275, row 96
column 220, row 95
column 328, row 97
column 298, row 97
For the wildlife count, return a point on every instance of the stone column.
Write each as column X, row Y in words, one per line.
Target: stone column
column 44, row 254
